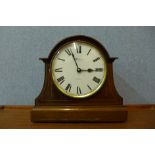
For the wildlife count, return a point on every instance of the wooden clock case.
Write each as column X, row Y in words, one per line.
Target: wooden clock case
column 104, row 106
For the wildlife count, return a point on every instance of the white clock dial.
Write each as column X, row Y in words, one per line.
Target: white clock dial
column 78, row 69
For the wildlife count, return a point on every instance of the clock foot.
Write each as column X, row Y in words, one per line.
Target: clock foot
column 79, row 114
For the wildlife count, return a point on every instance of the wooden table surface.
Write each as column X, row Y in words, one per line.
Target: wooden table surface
column 18, row 117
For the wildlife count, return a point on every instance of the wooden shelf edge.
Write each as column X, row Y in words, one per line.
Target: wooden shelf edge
column 129, row 107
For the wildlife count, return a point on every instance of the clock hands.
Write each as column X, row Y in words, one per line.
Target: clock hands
column 78, row 69
column 85, row 70
column 92, row 70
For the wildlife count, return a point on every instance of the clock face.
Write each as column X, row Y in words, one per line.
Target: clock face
column 78, row 69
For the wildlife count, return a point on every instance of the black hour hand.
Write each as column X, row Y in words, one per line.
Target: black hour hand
column 92, row 70
column 87, row 70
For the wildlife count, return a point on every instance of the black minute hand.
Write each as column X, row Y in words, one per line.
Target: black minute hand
column 78, row 69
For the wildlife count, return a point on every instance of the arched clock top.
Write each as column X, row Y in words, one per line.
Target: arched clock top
column 79, row 38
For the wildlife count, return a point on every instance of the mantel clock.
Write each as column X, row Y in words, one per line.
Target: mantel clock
column 78, row 85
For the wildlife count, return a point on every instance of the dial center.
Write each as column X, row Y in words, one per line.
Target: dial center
column 78, row 70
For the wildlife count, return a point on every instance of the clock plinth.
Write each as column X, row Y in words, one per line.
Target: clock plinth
column 79, row 114
column 106, row 105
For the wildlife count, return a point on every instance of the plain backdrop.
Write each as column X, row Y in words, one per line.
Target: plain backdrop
column 22, row 74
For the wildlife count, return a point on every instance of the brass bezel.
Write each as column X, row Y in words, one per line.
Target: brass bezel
column 72, row 95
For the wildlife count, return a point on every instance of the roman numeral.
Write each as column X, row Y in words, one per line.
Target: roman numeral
column 79, row 90
column 68, row 51
column 58, row 70
column 98, row 58
column 89, row 87
column 88, row 52
column 61, row 79
column 78, row 49
column 61, row 59
column 97, row 80
column 68, row 88
column 99, row 69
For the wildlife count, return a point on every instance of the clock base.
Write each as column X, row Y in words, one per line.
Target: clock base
column 79, row 114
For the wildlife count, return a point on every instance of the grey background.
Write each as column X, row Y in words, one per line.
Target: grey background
column 22, row 74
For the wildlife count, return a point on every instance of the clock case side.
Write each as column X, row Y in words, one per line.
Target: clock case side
column 51, row 96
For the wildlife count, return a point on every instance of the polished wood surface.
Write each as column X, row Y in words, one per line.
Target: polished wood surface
column 80, row 114
column 19, row 117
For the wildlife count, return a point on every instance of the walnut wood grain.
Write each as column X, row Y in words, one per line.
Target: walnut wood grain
column 79, row 114
column 15, row 117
